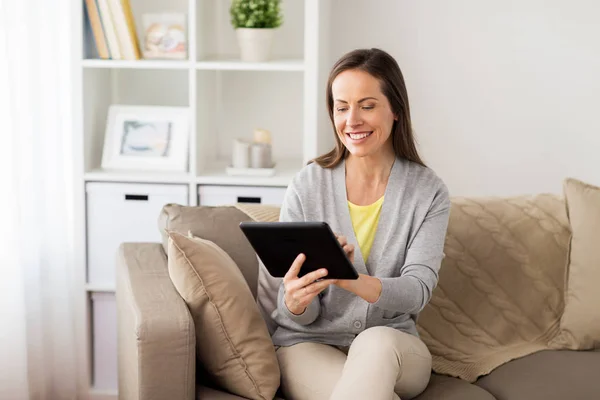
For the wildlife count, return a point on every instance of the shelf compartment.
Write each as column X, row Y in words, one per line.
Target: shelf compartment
column 123, row 212
column 216, row 36
column 215, row 195
column 231, row 104
column 105, row 87
column 104, row 343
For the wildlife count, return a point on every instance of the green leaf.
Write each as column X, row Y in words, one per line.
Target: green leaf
column 256, row 13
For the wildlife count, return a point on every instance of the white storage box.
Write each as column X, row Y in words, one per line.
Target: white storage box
column 212, row 195
column 123, row 212
column 104, row 341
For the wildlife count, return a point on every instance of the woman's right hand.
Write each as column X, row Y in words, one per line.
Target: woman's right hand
column 299, row 292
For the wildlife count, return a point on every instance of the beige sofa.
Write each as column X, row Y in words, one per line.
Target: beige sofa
column 156, row 337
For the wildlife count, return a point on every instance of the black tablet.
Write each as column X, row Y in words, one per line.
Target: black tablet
column 277, row 244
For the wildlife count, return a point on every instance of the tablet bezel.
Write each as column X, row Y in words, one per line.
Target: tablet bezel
column 314, row 239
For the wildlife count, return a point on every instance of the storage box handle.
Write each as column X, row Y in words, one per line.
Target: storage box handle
column 137, row 197
column 248, row 200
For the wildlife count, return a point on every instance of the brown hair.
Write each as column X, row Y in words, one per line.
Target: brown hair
column 384, row 67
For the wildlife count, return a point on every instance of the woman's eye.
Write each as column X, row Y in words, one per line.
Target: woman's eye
column 341, row 109
column 368, row 108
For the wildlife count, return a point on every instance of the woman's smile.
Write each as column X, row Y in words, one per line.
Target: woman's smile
column 358, row 137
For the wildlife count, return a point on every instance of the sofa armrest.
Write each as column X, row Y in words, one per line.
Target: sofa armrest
column 156, row 337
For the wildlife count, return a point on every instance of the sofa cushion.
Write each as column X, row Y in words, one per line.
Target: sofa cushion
column 446, row 388
column 208, row 393
column 220, row 225
column 580, row 323
column 547, row 375
column 232, row 341
column 440, row 388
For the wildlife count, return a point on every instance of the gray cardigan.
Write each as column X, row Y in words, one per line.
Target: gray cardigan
column 406, row 254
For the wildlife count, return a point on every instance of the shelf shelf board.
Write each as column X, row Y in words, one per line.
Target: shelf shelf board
column 213, row 63
column 215, row 174
column 136, row 64
column 99, row 175
column 95, row 287
column 232, row 64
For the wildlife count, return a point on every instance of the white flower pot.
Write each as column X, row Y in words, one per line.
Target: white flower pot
column 255, row 44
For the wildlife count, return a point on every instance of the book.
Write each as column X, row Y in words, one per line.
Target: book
column 124, row 28
column 109, row 30
column 97, row 29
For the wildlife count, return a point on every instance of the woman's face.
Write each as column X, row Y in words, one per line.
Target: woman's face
column 362, row 114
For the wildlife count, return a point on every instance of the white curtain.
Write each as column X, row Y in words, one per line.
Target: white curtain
column 37, row 324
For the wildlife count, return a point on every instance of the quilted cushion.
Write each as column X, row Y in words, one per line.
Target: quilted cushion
column 501, row 285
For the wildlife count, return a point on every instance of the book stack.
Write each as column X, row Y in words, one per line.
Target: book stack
column 113, row 29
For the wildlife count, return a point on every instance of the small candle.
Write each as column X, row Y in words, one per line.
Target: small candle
column 240, row 157
column 262, row 136
column 260, row 156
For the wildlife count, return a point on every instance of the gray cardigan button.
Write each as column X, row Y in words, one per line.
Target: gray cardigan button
column 357, row 324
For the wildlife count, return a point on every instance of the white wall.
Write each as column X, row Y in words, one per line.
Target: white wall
column 505, row 95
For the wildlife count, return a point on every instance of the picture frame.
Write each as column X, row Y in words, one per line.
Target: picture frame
column 146, row 138
column 165, row 36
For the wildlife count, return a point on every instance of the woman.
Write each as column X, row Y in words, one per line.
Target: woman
column 356, row 339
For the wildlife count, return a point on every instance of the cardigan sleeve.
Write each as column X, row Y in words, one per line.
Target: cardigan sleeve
column 291, row 211
column 412, row 290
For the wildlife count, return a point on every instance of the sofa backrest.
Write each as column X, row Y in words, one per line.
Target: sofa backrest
column 217, row 224
column 518, row 242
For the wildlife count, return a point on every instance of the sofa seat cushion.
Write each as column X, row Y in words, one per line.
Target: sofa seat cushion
column 440, row 388
column 547, row 375
column 207, row 393
column 443, row 387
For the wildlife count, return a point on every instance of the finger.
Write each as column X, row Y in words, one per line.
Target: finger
column 311, row 277
column 343, row 240
column 310, row 291
column 349, row 248
column 295, row 268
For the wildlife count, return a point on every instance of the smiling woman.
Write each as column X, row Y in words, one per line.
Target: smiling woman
column 357, row 339
column 381, row 98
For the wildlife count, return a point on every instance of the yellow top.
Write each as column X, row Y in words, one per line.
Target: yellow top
column 364, row 222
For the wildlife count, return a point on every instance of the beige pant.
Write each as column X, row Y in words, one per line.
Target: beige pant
column 382, row 363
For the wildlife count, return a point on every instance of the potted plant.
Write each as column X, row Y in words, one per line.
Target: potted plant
column 255, row 22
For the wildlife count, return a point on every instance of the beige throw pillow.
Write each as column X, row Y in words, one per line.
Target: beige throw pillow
column 232, row 340
column 580, row 323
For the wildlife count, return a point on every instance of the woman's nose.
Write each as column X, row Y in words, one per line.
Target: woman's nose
column 354, row 118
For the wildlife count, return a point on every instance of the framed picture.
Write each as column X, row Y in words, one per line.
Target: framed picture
column 146, row 138
column 164, row 36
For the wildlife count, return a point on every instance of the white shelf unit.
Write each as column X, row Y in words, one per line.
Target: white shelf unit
column 227, row 99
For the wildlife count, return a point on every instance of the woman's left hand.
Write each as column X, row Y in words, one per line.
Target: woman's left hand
column 348, row 248
column 367, row 287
